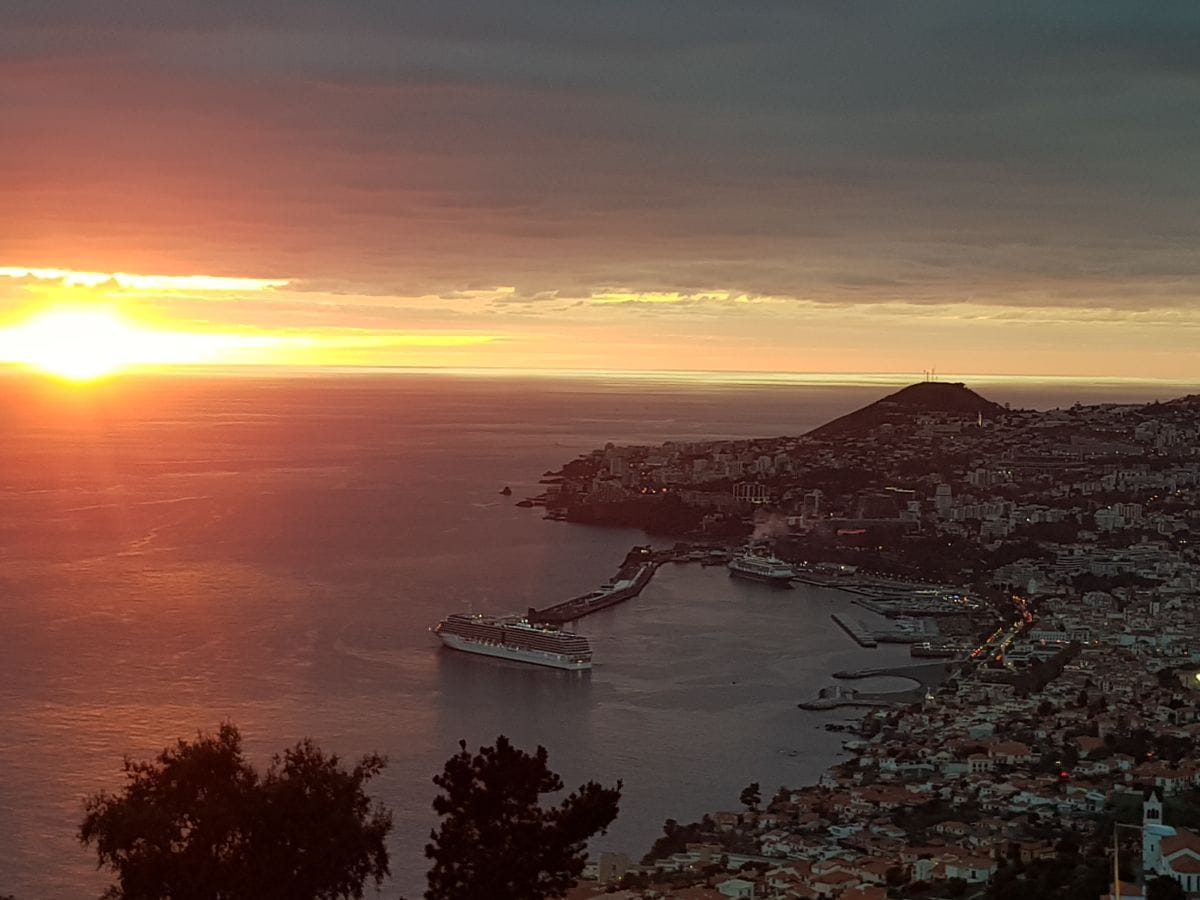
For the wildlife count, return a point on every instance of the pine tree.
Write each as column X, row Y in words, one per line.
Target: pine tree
column 200, row 823
column 751, row 796
column 496, row 841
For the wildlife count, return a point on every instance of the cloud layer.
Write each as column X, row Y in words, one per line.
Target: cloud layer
column 830, row 153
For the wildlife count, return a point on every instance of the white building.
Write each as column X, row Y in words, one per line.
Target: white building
column 1169, row 851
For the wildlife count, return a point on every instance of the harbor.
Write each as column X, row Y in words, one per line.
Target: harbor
column 536, row 637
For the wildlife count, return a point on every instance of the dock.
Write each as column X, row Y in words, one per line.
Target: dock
column 861, row 634
column 911, row 606
column 825, row 582
column 631, row 579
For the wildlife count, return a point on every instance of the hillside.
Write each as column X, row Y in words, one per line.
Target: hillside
column 901, row 407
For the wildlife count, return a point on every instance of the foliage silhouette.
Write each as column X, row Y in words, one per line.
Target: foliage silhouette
column 751, row 796
column 200, row 823
column 1162, row 887
column 496, row 841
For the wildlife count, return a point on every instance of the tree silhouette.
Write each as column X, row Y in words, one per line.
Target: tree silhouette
column 496, row 842
column 1162, row 887
column 200, row 823
column 751, row 796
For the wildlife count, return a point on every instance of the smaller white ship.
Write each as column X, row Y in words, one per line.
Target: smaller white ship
column 762, row 568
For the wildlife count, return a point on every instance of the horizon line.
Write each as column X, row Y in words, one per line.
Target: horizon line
column 692, row 376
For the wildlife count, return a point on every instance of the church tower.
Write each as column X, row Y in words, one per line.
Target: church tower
column 1152, row 814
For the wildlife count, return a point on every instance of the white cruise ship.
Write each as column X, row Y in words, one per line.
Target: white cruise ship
column 762, row 568
column 515, row 638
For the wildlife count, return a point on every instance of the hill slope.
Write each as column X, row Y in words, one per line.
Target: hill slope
column 924, row 397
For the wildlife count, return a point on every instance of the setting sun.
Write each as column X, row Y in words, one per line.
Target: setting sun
column 77, row 343
column 80, row 343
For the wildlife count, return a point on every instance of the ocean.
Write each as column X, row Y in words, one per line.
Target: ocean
column 270, row 549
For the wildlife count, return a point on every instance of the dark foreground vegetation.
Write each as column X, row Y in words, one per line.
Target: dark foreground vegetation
column 201, row 823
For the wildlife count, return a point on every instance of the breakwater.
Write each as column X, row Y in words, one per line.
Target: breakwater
column 855, row 629
column 927, row 674
column 838, row 697
column 631, row 579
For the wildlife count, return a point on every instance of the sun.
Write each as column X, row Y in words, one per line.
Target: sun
column 78, row 343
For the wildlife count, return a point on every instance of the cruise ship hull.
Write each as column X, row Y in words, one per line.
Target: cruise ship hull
column 777, row 580
column 517, row 654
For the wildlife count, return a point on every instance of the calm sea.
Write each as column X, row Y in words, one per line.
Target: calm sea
column 178, row 551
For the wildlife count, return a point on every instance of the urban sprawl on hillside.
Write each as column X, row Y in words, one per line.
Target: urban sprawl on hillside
column 1073, row 705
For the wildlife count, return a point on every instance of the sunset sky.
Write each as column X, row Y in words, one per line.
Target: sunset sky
column 783, row 185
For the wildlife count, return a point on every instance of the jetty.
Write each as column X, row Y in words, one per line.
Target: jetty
column 856, row 629
column 837, row 697
column 631, row 579
column 927, row 674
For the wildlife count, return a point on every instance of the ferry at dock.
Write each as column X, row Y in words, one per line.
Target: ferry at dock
column 762, row 568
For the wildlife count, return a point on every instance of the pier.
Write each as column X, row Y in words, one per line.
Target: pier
column 910, row 606
column 856, row 630
column 826, row 582
column 631, row 579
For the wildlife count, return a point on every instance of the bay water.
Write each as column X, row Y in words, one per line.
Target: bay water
column 271, row 550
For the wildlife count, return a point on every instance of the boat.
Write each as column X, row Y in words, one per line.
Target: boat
column 761, row 568
column 515, row 638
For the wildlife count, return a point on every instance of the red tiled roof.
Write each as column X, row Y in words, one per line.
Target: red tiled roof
column 865, row 893
column 876, row 866
column 1185, row 865
column 1183, row 840
column 838, row 877
column 1008, row 748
